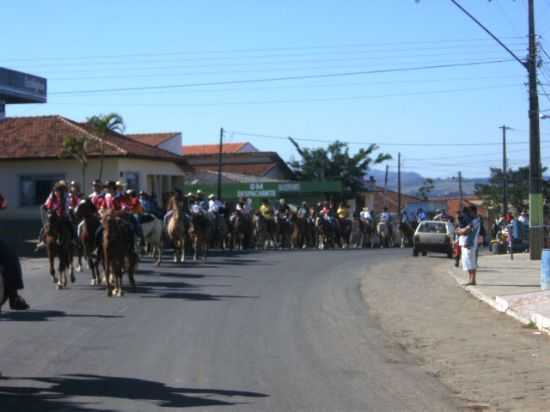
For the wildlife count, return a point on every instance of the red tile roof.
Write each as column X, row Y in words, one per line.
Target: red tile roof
column 204, row 149
column 152, row 139
column 42, row 138
column 246, row 169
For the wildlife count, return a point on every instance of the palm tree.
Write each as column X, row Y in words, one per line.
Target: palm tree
column 103, row 124
column 77, row 148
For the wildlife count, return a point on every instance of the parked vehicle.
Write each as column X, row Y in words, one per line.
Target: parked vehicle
column 434, row 236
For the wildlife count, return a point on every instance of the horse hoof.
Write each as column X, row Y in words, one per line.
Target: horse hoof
column 93, row 282
column 73, row 279
column 59, row 287
column 79, row 268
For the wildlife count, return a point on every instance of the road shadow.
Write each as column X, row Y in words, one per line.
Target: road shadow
column 193, row 296
column 45, row 315
column 508, row 284
column 62, row 393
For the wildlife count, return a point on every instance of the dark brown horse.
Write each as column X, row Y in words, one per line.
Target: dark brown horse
column 326, row 232
column 241, row 229
column 299, row 232
column 118, row 252
column 86, row 214
column 59, row 244
column 344, row 232
column 368, row 232
column 199, row 232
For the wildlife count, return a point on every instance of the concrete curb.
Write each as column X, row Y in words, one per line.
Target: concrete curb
column 495, row 304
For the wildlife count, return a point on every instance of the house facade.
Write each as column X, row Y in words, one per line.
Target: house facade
column 32, row 160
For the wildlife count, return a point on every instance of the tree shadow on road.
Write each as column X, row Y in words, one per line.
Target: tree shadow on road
column 62, row 393
column 44, row 315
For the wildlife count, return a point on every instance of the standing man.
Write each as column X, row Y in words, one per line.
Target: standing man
column 468, row 243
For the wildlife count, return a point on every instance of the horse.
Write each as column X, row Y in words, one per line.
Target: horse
column 58, row 236
column 176, row 231
column 152, row 233
column 407, row 233
column 266, row 231
column 344, row 233
column 86, row 213
column 241, row 229
column 118, row 253
column 383, row 231
column 299, row 232
column 368, row 231
column 199, row 233
column 219, row 229
column 284, row 229
column 326, row 233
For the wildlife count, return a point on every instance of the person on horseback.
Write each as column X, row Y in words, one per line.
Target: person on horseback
column 387, row 218
column 366, row 216
column 98, row 195
column 150, row 206
column 303, row 211
column 57, row 204
column 10, row 270
column 421, row 215
column 75, row 195
column 201, row 200
column 343, row 211
column 243, row 207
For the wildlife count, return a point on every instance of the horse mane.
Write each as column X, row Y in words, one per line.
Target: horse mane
column 172, row 203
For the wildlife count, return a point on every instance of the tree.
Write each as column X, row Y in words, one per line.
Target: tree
column 104, row 124
column 426, row 188
column 77, row 148
column 518, row 190
column 336, row 163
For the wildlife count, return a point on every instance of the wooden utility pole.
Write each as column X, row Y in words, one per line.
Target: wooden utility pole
column 399, row 185
column 461, row 193
column 504, row 172
column 386, row 184
column 536, row 218
column 220, row 154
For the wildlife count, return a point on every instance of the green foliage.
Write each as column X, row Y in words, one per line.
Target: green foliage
column 103, row 124
column 426, row 188
column 336, row 163
column 77, row 148
column 518, row 190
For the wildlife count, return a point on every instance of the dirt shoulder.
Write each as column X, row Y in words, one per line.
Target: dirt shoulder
column 490, row 361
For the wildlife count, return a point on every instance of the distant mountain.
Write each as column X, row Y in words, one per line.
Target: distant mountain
column 411, row 181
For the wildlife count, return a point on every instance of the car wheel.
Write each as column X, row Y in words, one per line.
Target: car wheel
column 424, row 253
column 415, row 252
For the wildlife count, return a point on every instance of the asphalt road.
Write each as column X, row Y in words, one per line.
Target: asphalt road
column 274, row 331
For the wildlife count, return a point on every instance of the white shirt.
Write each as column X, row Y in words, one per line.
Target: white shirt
column 365, row 215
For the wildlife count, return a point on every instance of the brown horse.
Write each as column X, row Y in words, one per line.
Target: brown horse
column 326, row 232
column 284, row 229
column 199, row 233
column 59, row 244
column 241, row 230
column 266, row 231
column 299, row 232
column 86, row 213
column 368, row 232
column 118, row 252
column 175, row 229
column 344, row 232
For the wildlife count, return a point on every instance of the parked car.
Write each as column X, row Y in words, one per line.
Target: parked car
column 434, row 236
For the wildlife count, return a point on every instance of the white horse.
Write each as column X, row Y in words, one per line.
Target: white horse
column 152, row 232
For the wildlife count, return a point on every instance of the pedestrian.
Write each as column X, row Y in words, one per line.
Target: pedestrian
column 468, row 244
column 10, row 270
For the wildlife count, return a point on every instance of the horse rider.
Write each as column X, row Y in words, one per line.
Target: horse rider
column 343, row 211
column 149, row 204
column 201, row 200
column 10, row 269
column 97, row 197
column 133, row 205
column 387, row 218
column 58, row 204
column 441, row 215
column 365, row 215
column 75, row 195
column 303, row 211
column 421, row 215
column 243, row 207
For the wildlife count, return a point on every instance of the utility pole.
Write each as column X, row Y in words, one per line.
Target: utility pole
column 399, row 185
column 220, row 153
column 461, row 193
column 386, row 184
column 536, row 218
column 504, row 172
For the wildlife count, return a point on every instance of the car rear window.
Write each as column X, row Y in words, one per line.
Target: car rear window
column 431, row 227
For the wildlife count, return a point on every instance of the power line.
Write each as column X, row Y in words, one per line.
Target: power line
column 380, row 141
column 286, row 101
column 283, row 78
column 252, row 50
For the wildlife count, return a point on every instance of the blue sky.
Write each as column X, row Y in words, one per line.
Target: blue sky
column 106, row 44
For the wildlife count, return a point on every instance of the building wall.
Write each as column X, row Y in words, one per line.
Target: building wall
column 173, row 145
column 12, row 171
column 154, row 176
column 277, row 173
column 247, row 148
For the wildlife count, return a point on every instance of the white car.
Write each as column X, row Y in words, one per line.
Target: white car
column 434, row 236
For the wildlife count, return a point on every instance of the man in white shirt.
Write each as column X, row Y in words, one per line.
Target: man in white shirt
column 467, row 240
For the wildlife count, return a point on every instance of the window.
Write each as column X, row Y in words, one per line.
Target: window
column 432, row 227
column 132, row 180
column 34, row 190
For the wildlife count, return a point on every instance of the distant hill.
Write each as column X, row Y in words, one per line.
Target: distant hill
column 411, row 181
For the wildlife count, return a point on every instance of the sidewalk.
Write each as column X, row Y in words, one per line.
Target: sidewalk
column 511, row 287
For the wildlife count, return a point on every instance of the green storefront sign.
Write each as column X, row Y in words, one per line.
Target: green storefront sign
column 271, row 190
